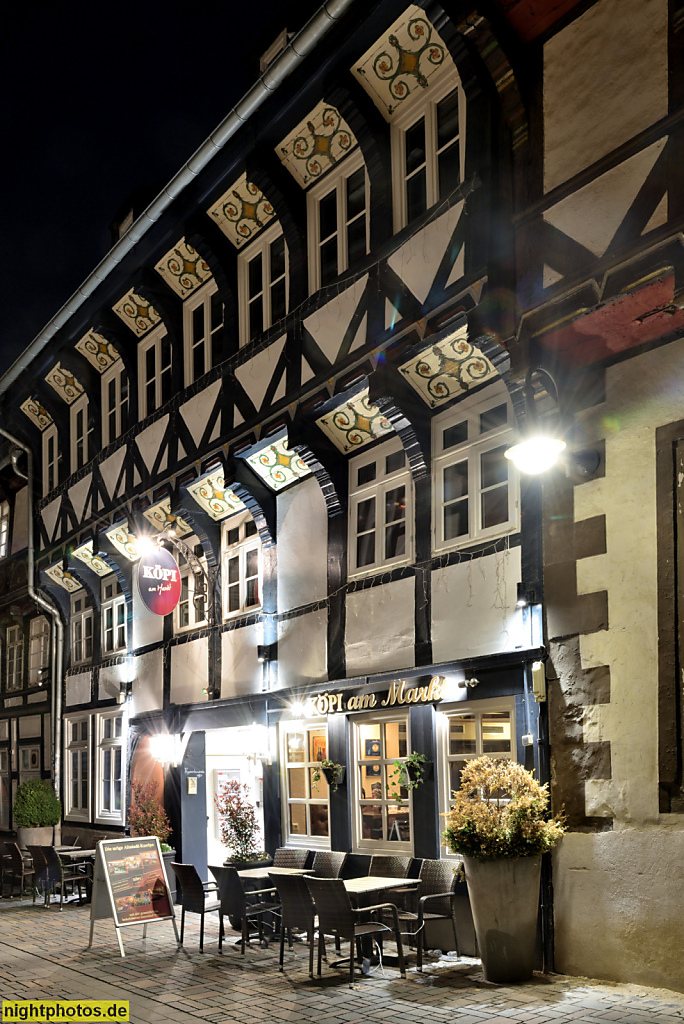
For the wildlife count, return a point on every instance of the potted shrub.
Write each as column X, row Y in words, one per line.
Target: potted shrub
column 35, row 811
column 332, row 772
column 408, row 774
column 147, row 817
column 498, row 822
column 240, row 830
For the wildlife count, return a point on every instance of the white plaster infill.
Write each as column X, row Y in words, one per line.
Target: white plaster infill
column 256, row 373
column 197, row 410
column 417, row 261
column 328, row 325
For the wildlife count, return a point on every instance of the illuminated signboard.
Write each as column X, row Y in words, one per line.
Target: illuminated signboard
column 398, row 693
column 159, row 581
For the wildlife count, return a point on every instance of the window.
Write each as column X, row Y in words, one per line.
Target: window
column 81, row 629
column 114, row 403
column 380, row 819
column 469, row 731
column 81, row 433
column 191, row 609
column 51, row 458
column 203, row 332
column 113, row 613
column 305, row 808
column 427, row 155
column 338, row 221
column 241, row 566
column 15, row 658
column 4, row 529
column 154, row 372
column 475, row 487
column 380, row 508
column 77, row 742
column 39, row 659
column 263, row 283
column 109, row 804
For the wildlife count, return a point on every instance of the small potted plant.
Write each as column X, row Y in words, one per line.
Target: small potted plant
column 333, row 773
column 498, row 822
column 408, row 774
column 240, row 830
column 35, row 811
column 147, row 817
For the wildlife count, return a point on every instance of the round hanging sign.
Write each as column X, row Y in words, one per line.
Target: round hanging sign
column 159, row 581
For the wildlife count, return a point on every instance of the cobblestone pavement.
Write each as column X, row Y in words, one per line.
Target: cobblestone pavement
column 44, row 954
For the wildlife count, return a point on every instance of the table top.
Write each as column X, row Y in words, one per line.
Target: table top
column 265, row 872
column 74, row 852
column 376, row 883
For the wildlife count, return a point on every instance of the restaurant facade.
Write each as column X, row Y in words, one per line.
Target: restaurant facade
column 422, row 231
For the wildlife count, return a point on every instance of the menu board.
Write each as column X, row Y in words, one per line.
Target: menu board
column 136, row 881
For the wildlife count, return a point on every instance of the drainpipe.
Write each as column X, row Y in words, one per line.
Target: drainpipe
column 57, row 658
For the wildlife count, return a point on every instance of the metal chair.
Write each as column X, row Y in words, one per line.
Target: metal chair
column 328, row 864
column 195, row 900
column 20, row 869
column 241, row 906
column 40, row 872
column 437, row 883
column 58, row 876
column 337, row 917
column 298, row 913
column 5, row 866
column 389, row 867
column 286, row 857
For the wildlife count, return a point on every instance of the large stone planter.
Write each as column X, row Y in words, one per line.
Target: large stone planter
column 504, row 899
column 34, row 837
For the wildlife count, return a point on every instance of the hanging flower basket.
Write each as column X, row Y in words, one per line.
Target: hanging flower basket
column 334, row 776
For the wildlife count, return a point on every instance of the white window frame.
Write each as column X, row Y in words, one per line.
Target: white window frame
column 14, row 642
column 382, row 846
column 240, row 550
column 153, row 340
column 5, row 788
column 424, row 104
column 260, row 246
column 469, row 410
column 334, row 180
column 477, row 708
column 302, row 839
column 50, row 465
column 114, row 601
column 111, row 745
column 377, row 488
column 4, row 529
column 39, row 658
column 202, row 297
column 75, row 810
column 82, row 629
column 193, row 586
column 115, row 374
column 80, row 440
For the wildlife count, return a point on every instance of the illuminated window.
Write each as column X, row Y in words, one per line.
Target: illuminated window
column 382, row 813
column 306, row 803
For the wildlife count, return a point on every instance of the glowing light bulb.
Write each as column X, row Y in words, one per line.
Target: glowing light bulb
column 536, row 454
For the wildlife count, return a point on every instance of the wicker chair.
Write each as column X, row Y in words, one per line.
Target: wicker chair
column 20, row 870
column 285, row 857
column 40, row 872
column 298, row 913
column 337, row 917
column 5, row 866
column 436, row 889
column 195, row 900
column 59, row 876
column 389, row 867
column 243, row 907
column 327, row 864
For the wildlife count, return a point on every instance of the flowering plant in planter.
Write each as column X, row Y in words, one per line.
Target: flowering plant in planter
column 408, row 774
column 239, row 826
column 146, row 816
column 500, row 812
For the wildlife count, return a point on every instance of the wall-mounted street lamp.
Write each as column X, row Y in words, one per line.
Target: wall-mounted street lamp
column 541, row 447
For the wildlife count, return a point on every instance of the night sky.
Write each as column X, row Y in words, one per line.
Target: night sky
column 100, row 99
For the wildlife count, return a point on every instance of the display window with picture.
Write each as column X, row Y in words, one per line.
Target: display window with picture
column 382, row 808
column 304, row 746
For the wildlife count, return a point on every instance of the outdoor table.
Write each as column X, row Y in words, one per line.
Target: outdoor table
column 265, row 872
column 360, row 889
column 77, row 857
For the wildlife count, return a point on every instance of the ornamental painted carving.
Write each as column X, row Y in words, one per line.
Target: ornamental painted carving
column 124, row 542
column 402, row 62
column 448, row 369
column 242, row 212
column 39, row 416
column 316, row 144
column 354, row 424
column 277, row 465
column 98, row 351
column 64, row 383
column 94, row 562
column 159, row 516
column 136, row 313
column 213, row 497
column 64, row 579
column 183, row 268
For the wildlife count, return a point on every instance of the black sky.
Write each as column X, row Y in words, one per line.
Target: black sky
column 100, row 99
